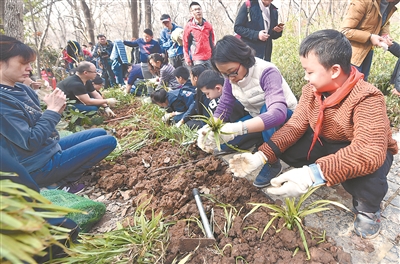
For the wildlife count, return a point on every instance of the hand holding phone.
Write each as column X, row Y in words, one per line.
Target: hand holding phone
column 281, row 24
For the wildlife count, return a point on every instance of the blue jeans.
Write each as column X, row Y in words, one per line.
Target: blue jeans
column 365, row 66
column 117, row 69
column 80, row 151
column 87, row 108
column 266, row 134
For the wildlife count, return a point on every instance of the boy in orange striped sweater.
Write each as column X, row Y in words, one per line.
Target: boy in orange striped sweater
column 339, row 133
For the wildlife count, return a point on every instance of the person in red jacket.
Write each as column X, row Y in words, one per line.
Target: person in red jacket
column 198, row 38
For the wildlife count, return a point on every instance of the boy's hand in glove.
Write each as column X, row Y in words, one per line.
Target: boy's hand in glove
column 112, row 102
column 109, row 112
column 296, row 181
column 167, row 117
column 181, row 122
column 244, row 164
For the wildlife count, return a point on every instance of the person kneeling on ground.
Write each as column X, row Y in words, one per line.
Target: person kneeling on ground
column 159, row 66
column 210, row 83
column 339, row 133
column 260, row 88
column 135, row 74
column 175, row 102
column 79, row 87
column 31, row 135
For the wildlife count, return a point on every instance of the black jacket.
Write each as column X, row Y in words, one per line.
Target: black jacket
column 395, row 79
column 248, row 30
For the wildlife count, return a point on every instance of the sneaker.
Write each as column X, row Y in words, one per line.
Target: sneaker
column 72, row 187
column 367, row 225
column 267, row 173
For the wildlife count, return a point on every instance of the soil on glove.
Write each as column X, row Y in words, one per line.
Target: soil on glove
column 168, row 175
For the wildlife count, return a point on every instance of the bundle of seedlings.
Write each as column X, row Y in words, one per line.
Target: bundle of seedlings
column 24, row 232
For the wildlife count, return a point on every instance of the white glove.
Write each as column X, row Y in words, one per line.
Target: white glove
column 292, row 183
column 228, row 132
column 202, row 139
column 109, row 112
column 167, row 117
column 244, row 164
column 112, row 101
column 179, row 123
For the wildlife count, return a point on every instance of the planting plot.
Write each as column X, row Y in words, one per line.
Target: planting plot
column 167, row 174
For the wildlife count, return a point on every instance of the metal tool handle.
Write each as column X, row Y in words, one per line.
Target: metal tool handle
column 203, row 216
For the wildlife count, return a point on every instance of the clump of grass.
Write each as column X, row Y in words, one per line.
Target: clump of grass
column 230, row 213
column 294, row 212
column 24, row 233
column 393, row 109
column 144, row 240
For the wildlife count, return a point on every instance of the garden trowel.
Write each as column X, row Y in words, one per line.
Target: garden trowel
column 189, row 244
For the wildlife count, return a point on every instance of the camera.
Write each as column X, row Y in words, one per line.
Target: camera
column 103, row 52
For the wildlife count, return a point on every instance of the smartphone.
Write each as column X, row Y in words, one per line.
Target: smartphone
column 281, row 24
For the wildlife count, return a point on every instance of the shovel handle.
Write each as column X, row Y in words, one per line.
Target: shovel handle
column 203, row 216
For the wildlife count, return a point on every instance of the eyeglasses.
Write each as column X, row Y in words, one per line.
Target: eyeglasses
column 92, row 71
column 234, row 73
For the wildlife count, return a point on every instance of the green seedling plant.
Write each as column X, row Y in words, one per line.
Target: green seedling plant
column 215, row 125
column 294, row 212
column 144, row 240
column 230, row 213
column 24, row 233
column 220, row 251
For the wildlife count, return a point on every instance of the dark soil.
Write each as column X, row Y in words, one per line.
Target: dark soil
column 163, row 172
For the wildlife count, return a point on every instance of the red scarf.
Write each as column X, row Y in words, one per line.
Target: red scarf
column 335, row 98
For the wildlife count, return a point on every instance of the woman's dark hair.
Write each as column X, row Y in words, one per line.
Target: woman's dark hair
column 148, row 31
column 163, row 57
column 231, row 49
column 11, row 47
column 159, row 96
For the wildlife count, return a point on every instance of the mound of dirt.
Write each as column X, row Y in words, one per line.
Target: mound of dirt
column 161, row 172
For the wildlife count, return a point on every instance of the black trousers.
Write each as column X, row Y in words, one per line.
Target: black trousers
column 368, row 191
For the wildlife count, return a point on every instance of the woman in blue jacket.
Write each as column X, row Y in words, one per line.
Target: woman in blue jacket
column 30, row 135
column 257, row 25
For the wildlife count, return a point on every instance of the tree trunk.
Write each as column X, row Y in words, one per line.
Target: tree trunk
column 13, row 18
column 134, row 17
column 147, row 11
column 89, row 21
column 2, row 3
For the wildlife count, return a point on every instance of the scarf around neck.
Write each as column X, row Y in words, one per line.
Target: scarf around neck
column 335, row 98
column 265, row 14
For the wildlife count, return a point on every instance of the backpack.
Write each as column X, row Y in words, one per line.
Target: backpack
column 248, row 5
